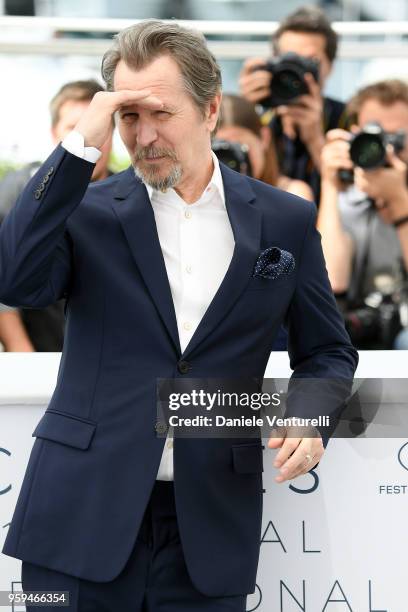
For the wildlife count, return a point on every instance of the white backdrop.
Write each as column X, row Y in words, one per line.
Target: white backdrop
column 333, row 541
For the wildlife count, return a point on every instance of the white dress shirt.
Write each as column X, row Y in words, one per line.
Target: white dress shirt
column 197, row 244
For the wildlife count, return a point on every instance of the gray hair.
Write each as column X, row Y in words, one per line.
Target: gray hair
column 140, row 44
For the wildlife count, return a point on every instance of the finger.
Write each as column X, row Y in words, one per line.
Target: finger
column 275, row 442
column 257, row 95
column 277, row 437
column 295, row 473
column 301, row 113
column 289, row 446
column 307, row 101
column 337, row 134
column 143, row 97
column 288, row 126
column 360, row 181
column 393, row 159
column 338, row 162
column 313, row 87
column 257, row 79
column 252, row 63
column 306, row 456
column 340, row 145
column 362, row 177
column 337, row 149
column 337, row 159
column 303, row 470
column 299, row 460
column 281, row 110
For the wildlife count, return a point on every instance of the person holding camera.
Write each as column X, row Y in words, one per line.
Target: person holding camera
column 363, row 215
column 289, row 87
column 243, row 143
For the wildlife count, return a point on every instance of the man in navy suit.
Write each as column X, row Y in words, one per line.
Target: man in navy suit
column 178, row 267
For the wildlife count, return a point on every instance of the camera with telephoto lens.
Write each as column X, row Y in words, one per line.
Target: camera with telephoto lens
column 233, row 154
column 377, row 322
column 368, row 149
column 288, row 78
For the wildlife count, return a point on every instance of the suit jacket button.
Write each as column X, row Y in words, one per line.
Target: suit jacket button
column 37, row 194
column 160, row 427
column 46, row 178
column 183, row 367
column 50, row 170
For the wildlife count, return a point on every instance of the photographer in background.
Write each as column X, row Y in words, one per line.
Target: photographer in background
column 299, row 125
column 240, row 134
column 42, row 329
column 364, row 226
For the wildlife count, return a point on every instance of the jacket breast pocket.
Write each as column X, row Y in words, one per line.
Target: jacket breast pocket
column 247, row 458
column 66, row 429
column 258, row 283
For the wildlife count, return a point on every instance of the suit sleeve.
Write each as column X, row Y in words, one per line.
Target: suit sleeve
column 35, row 245
column 321, row 354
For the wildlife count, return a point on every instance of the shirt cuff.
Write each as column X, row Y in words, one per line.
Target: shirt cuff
column 74, row 143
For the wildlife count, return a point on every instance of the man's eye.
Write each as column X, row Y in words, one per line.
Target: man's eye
column 162, row 114
column 129, row 116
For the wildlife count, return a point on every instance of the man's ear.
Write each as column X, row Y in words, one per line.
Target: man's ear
column 213, row 111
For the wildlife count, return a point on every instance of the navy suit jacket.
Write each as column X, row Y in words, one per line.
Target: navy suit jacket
column 96, row 453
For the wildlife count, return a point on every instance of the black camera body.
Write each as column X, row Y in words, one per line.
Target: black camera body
column 368, row 148
column 233, row 154
column 374, row 326
column 288, row 72
column 375, row 321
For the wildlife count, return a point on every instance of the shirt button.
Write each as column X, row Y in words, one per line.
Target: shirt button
column 187, row 326
column 188, row 214
column 183, row 367
column 160, row 427
column 169, row 444
column 188, row 269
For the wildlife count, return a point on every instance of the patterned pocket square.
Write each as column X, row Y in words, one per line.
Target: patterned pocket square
column 273, row 262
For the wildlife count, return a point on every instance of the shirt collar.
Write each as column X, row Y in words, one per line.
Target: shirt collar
column 216, row 183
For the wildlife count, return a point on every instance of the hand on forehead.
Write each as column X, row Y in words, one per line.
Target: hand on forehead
column 142, row 98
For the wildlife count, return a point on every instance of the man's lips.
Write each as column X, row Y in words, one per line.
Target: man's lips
column 154, row 159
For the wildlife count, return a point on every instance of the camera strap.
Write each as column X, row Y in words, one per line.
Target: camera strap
column 361, row 262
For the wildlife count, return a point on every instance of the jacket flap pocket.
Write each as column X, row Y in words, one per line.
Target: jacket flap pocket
column 65, row 429
column 247, row 458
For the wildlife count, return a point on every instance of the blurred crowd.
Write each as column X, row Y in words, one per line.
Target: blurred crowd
column 350, row 158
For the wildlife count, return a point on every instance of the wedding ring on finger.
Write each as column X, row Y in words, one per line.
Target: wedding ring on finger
column 308, row 458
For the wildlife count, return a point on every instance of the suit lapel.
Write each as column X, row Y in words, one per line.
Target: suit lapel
column 135, row 213
column 245, row 221
column 133, row 208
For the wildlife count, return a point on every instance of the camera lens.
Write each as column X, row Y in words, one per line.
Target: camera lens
column 287, row 85
column 367, row 151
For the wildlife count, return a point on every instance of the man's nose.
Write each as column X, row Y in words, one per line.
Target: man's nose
column 146, row 133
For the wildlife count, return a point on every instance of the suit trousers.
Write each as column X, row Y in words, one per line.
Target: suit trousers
column 154, row 579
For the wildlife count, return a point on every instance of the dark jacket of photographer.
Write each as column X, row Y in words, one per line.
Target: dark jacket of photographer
column 293, row 156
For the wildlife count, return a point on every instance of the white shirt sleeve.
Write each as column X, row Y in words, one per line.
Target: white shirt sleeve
column 74, row 143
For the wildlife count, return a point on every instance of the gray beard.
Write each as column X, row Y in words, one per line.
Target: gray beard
column 158, row 182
